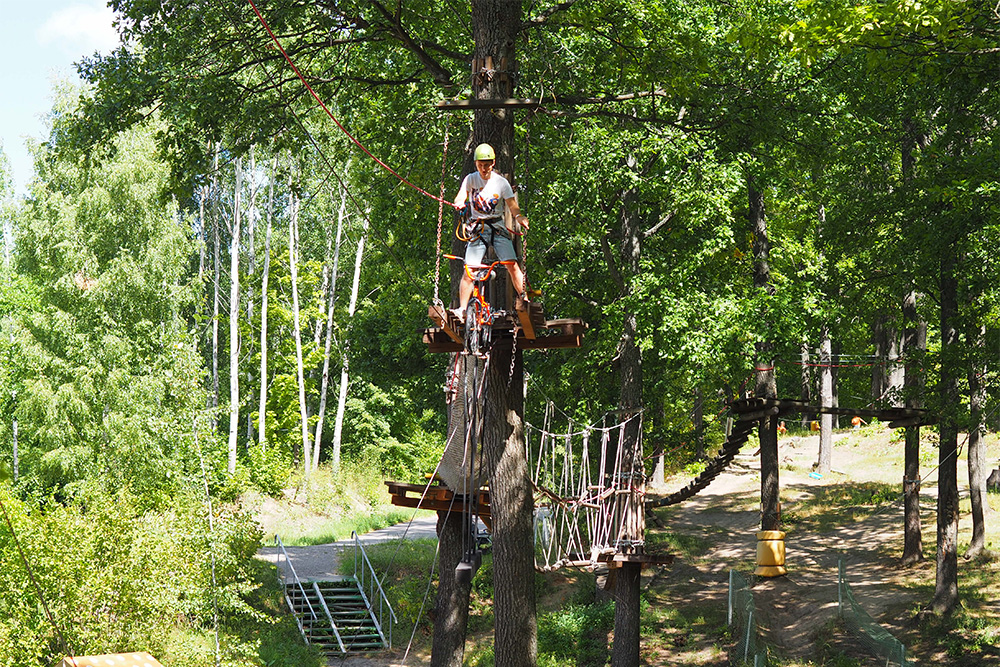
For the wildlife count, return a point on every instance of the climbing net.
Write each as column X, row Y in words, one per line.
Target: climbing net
column 589, row 490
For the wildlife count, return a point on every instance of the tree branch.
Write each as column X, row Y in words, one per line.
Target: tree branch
column 612, row 267
column 440, row 75
column 543, row 17
column 655, row 228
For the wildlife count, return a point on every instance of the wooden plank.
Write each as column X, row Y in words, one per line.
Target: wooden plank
column 447, row 321
column 435, row 497
column 524, row 315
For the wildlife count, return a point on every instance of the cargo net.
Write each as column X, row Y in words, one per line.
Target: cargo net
column 872, row 636
column 589, row 491
column 748, row 648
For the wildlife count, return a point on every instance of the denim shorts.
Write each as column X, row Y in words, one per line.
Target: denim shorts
column 502, row 245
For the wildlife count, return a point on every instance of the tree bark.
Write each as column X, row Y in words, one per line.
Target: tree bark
column 914, row 343
column 516, row 638
column 265, row 275
column 946, row 580
column 234, row 321
column 765, row 385
column 451, row 611
column 625, row 651
column 977, row 446
column 825, row 461
column 293, row 261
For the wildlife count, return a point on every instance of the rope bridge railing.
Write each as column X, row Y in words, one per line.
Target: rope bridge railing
column 590, row 490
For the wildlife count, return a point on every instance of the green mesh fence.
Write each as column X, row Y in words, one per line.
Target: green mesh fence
column 872, row 636
column 748, row 648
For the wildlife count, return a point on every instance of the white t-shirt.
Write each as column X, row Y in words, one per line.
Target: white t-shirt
column 488, row 198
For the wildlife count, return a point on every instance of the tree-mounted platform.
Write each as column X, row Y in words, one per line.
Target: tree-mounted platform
column 438, row 497
column 752, row 409
column 532, row 330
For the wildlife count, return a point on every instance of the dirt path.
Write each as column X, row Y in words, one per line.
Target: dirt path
column 794, row 608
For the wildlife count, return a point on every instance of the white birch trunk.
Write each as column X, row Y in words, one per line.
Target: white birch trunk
column 338, row 427
column 216, row 296
column 331, row 298
column 234, row 322
column 265, row 274
column 293, row 257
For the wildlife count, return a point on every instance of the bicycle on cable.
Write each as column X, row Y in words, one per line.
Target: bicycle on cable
column 479, row 314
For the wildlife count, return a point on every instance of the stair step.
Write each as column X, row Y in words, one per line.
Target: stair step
column 347, row 609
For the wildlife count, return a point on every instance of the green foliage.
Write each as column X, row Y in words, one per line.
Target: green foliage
column 117, row 577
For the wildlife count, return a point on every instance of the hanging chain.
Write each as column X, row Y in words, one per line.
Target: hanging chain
column 513, row 360
column 437, row 246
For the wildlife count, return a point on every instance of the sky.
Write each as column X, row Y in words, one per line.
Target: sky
column 39, row 42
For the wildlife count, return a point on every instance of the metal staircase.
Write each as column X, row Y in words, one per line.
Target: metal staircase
column 339, row 616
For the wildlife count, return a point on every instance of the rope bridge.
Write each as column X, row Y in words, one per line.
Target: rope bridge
column 590, row 490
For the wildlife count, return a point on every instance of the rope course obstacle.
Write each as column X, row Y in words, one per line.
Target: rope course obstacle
column 590, row 497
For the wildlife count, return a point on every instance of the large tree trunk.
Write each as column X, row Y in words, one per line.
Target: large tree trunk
column 512, row 501
column 234, row 321
column 765, row 386
column 496, row 25
column 331, row 300
column 625, row 651
column 946, row 581
column 977, row 446
column 293, row 262
column 914, row 343
column 265, row 275
column 338, row 425
column 825, row 462
column 451, row 611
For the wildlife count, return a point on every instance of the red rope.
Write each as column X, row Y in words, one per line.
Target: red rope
column 334, row 118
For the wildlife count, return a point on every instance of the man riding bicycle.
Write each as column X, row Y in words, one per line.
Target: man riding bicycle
column 485, row 194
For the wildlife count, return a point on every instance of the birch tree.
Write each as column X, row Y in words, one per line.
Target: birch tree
column 234, row 320
column 293, row 261
column 338, row 426
column 265, row 275
column 331, row 299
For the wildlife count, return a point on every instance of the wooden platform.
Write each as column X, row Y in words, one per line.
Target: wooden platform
column 438, row 497
column 533, row 331
column 751, row 409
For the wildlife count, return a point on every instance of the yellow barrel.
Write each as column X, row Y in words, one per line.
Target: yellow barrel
column 770, row 553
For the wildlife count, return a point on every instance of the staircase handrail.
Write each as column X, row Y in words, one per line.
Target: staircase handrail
column 295, row 577
column 383, row 602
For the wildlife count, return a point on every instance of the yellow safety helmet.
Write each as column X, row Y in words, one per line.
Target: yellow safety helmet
column 485, row 152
